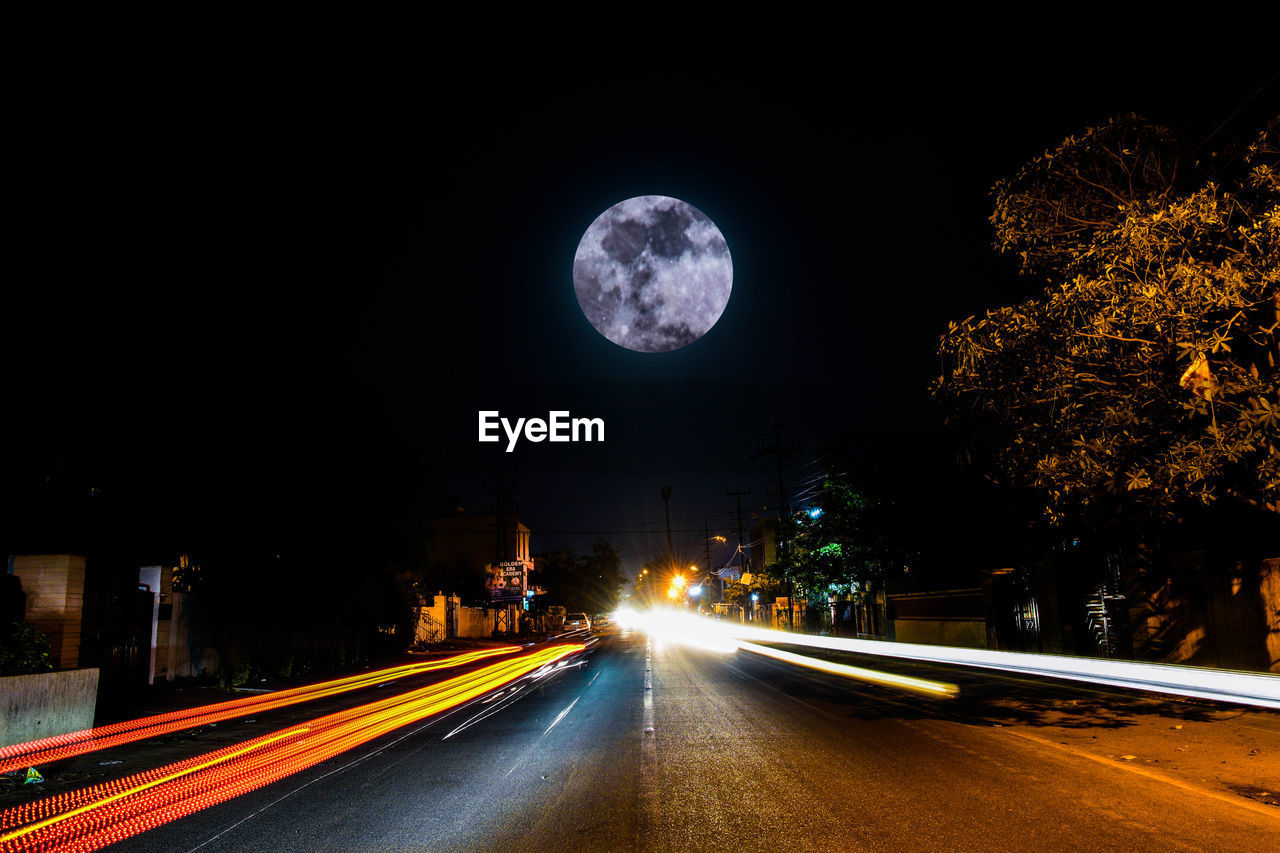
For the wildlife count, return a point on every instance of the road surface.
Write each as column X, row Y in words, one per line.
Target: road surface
column 647, row 746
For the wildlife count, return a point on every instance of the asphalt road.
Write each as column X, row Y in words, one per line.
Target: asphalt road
column 649, row 747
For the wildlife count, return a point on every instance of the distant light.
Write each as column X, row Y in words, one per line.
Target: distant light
column 755, row 596
column 816, row 512
column 695, row 590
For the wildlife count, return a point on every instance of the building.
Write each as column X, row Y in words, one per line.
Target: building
column 462, row 547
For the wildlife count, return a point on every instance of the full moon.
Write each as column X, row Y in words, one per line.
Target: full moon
column 652, row 273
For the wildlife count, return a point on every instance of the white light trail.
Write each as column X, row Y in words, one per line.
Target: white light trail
column 1244, row 688
column 890, row 679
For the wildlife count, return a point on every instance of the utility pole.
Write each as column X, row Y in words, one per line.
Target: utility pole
column 784, row 513
column 666, row 499
column 706, row 530
column 742, row 554
column 505, row 501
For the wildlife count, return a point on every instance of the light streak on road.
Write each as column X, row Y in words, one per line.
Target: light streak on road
column 561, row 716
column 1244, row 688
column 889, row 679
column 136, row 789
column 688, row 630
column 104, row 814
column 21, row 755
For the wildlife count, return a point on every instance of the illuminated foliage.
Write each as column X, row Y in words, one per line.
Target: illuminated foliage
column 861, row 525
column 1145, row 374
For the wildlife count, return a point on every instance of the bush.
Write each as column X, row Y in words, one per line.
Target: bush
column 240, row 674
column 24, row 650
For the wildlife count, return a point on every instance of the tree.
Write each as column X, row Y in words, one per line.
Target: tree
column 906, row 508
column 602, row 579
column 1145, row 375
column 588, row 583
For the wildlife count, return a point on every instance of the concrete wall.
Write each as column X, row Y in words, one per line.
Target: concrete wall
column 433, row 621
column 46, row 704
column 950, row 617
column 971, row 633
column 475, row 622
column 54, row 585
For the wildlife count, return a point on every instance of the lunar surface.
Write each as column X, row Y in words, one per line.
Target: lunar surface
column 652, row 273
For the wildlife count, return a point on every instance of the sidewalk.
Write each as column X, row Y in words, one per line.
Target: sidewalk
column 1214, row 747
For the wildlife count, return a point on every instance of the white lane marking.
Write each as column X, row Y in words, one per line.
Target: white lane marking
column 562, row 715
column 650, row 801
column 647, row 721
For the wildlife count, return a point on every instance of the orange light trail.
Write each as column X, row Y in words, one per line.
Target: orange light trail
column 104, row 814
column 20, row 755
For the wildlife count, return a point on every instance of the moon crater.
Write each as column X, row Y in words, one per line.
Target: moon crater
column 652, row 273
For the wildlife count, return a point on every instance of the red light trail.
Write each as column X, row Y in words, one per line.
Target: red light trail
column 92, row 818
column 20, row 755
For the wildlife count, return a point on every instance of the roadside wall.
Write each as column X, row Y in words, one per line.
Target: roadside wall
column 446, row 618
column 475, row 622
column 953, row 617
column 1208, row 616
column 46, row 704
column 969, row 633
column 430, row 626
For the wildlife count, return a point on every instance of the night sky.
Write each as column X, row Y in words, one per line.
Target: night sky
column 200, row 226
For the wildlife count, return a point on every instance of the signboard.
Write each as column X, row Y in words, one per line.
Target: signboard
column 507, row 581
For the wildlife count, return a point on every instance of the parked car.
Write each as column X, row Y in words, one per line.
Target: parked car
column 577, row 622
